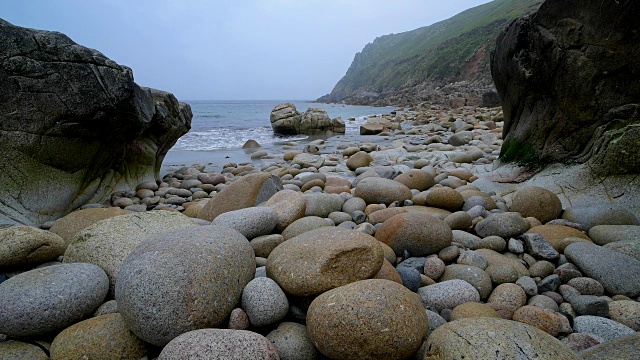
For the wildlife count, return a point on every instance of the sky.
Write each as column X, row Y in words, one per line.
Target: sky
column 231, row 49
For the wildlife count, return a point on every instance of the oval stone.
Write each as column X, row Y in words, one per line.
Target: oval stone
column 419, row 234
column 98, row 338
column 22, row 246
column 322, row 259
column 347, row 322
column 183, row 280
column 492, row 338
column 225, row 344
column 48, row 299
column 375, row 190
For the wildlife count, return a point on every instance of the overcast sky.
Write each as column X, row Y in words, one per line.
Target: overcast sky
column 232, row 49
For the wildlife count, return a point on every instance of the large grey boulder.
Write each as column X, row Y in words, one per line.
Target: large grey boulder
column 74, row 126
column 569, row 81
column 183, row 280
column 45, row 300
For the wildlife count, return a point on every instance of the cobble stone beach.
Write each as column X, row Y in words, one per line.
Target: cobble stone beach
column 397, row 245
column 492, row 213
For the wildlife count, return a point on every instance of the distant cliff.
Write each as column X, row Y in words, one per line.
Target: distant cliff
column 447, row 62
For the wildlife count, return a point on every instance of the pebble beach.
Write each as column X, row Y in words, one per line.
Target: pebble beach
column 414, row 243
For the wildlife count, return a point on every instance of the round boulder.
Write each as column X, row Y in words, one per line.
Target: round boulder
column 346, row 322
column 375, row 190
column 225, row 344
column 322, row 259
column 101, row 337
column 264, row 302
column 168, row 284
column 537, row 202
column 492, row 338
column 419, row 234
column 47, row 299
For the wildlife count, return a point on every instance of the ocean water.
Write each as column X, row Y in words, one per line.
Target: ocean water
column 227, row 125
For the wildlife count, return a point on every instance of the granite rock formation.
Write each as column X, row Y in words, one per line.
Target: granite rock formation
column 569, row 80
column 74, row 126
column 287, row 120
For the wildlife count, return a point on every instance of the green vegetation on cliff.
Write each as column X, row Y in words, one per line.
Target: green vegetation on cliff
column 448, row 51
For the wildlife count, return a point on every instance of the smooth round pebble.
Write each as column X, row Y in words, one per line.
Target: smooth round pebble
column 264, row 302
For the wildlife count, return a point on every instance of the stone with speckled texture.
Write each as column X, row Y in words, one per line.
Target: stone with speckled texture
column 346, row 322
column 48, row 299
column 322, row 259
column 183, row 280
column 225, row 344
column 491, row 338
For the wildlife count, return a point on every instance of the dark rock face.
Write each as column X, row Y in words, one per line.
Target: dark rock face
column 74, row 126
column 569, row 80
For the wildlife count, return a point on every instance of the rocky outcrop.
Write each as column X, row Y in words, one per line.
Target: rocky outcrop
column 74, row 126
column 287, row 120
column 569, row 79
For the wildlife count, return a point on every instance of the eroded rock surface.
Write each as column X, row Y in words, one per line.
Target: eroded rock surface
column 74, row 126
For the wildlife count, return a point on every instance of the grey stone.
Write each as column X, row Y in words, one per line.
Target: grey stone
column 18, row 350
column 472, row 258
column 225, row 344
column 590, row 305
column 539, row 247
column 308, row 160
column 604, row 234
column 617, row 272
column 292, row 342
column 475, row 276
column 623, row 348
column 549, row 283
column 461, row 138
column 48, row 299
column 322, row 204
column 250, row 222
column 516, row 246
column 447, row 294
column 169, row 283
column 108, row 307
column 410, row 277
column 627, row 247
column 528, row 285
column 600, row 214
column 600, row 326
column 264, row 302
column 435, row 320
column 415, row 263
column 505, row 225
column 465, row 239
column 544, row 302
column 354, row 204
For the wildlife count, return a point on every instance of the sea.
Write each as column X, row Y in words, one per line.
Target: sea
column 227, row 125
